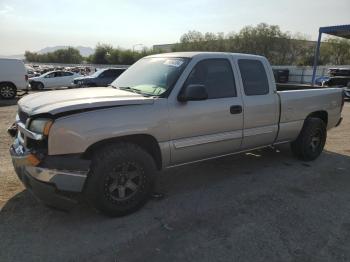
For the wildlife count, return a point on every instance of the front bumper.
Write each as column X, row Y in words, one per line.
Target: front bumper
column 52, row 186
column 339, row 122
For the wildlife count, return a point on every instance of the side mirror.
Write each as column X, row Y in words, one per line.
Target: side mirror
column 195, row 92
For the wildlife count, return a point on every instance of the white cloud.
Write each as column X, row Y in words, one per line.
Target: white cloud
column 5, row 9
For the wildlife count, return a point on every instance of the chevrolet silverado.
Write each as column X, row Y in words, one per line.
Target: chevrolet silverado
column 166, row 110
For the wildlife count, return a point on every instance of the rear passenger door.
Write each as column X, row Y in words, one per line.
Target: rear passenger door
column 59, row 79
column 211, row 127
column 67, row 78
column 261, row 106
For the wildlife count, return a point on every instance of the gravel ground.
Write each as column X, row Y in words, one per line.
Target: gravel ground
column 259, row 206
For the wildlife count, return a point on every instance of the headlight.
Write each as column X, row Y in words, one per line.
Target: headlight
column 41, row 125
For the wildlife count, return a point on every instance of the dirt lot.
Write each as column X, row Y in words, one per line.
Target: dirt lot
column 264, row 206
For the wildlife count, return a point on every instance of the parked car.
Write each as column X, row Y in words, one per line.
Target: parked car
column 347, row 90
column 53, row 79
column 102, row 77
column 31, row 73
column 338, row 77
column 13, row 77
column 319, row 81
column 340, row 81
column 339, row 72
column 166, row 110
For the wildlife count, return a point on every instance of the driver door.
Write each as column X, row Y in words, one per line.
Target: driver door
column 211, row 127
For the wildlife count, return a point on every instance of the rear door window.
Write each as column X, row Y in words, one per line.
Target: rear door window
column 111, row 73
column 254, row 77
column 67, row 73
column 115, row 72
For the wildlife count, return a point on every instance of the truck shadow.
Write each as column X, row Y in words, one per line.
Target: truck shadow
column 8, row 102
column 38, row 231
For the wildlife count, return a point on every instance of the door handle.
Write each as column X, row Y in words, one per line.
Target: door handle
column 236, row 109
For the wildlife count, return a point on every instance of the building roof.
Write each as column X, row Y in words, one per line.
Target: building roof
column 338, row 30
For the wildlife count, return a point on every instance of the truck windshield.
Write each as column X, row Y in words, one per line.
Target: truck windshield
column 151, row 76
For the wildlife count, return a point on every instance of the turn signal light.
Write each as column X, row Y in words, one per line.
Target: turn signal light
column 47, row 128
column 33, row 160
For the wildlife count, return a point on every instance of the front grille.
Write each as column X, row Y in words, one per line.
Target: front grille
column 22, row 116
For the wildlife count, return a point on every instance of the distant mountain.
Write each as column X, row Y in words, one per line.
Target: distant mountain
column 13, row 56
column 84, row 50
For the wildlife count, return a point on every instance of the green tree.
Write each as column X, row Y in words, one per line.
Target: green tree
column 335, row 51
column 280, row 47
column 68, row 56
column 102, row 54
column 106, row 54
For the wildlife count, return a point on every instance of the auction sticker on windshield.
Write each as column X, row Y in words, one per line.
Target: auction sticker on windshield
column 174, row 62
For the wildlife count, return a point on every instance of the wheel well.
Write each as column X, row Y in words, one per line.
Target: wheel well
column 320, row 114
column 146, row 142
column 7, row 83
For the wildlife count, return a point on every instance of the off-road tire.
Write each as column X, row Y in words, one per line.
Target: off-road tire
column 105, row 162
column 311, row 140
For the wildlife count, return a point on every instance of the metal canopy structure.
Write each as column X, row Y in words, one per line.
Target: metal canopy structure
column 338, row 30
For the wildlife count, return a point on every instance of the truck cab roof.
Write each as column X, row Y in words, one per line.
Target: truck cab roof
column 207, row 54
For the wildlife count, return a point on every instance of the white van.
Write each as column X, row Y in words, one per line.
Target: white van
column 13, row 77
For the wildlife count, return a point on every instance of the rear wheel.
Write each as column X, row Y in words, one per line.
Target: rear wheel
column 311, row 140
column 8, row 91
column 120, row 179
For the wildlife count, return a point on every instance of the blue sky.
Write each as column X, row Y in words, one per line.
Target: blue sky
column 33, row 24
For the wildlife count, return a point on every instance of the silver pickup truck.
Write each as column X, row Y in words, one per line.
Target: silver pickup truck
column 164, row 111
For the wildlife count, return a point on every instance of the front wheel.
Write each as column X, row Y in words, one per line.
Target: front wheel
column 120, row 179
column 311, row 140
column 40, row 86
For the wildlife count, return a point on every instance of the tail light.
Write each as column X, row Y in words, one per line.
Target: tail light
column 26, row 77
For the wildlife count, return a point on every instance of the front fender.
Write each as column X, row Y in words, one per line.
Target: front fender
column 75, row 133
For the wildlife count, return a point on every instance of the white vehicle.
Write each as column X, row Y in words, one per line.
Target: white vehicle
column 53, row 79
column 13, row 77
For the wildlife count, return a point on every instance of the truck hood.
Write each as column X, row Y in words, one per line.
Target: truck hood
column 55, row 102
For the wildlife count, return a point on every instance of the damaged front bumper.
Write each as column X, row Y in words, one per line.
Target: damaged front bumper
column 53, row 178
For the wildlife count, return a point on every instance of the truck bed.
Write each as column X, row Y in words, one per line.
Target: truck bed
column 287, row 87
column 295, row 105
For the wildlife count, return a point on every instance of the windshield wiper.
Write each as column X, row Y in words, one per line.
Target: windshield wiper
column 128, row 88
column 134, row 90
